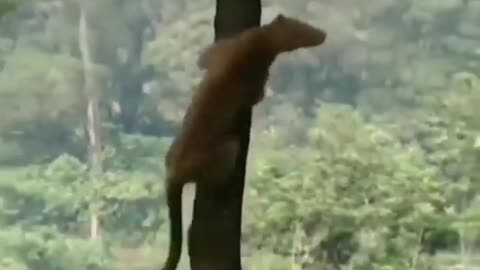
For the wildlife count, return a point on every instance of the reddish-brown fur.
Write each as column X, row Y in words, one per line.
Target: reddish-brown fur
column 237, row 69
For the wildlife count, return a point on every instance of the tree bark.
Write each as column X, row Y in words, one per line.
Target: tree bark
column 214, row 240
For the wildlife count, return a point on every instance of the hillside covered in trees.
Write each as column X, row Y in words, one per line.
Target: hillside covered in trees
column 365, row 155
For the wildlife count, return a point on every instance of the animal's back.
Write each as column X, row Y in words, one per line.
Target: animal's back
column 209, row 117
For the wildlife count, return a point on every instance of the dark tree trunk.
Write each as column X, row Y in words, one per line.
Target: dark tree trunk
column 215, row 232
column 131, row 76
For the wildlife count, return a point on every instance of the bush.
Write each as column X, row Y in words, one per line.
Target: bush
column 50, row 250
column 354, row 195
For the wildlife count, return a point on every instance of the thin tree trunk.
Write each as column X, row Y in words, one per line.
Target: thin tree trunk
column 215, row 233
column 92, row 89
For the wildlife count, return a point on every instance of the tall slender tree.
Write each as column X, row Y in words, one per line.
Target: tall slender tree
column 92, row 89
column 215, row 232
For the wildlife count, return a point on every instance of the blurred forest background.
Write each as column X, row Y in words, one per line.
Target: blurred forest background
column 363, row 156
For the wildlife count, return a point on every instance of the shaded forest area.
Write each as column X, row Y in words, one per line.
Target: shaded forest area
column 363, row 156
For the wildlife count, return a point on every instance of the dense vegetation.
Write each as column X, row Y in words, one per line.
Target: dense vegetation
column 364, row 155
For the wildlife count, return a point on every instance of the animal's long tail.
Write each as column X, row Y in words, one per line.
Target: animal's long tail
column 174, row 200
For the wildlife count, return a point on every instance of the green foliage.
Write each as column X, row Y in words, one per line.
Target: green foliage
column 354, row 179
column 40, row 195
column 62, row 194
column 6, row 6
column 180, row 74
column 389, row 181
column 48, row 249
column 137, row 152
column 24, row 112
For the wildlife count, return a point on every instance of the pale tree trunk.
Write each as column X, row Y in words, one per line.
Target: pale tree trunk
column 91, row 88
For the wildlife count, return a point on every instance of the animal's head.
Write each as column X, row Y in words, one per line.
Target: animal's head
column 288, row 34
column 282, row 34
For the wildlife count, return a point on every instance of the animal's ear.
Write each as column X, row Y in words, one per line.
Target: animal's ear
column 214, row 53
column 280, row 18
